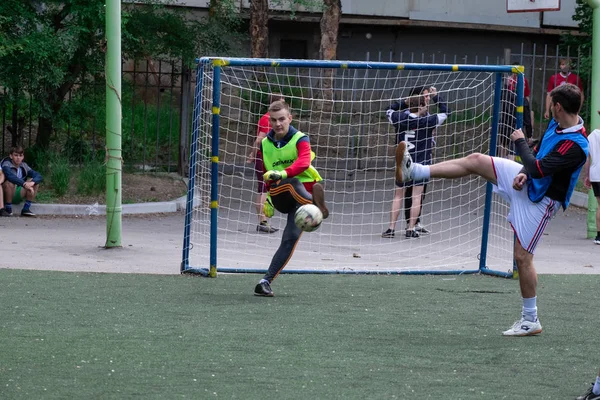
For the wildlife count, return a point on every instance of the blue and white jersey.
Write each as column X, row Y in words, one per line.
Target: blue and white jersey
column 418, row 131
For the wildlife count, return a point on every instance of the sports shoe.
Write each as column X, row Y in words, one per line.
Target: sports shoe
column 27, row 213
column 264, row 227
column 390, row 233
column 318, row 195
column 589, row 395
column 524, row 328
column 421, row 229
column 412, row 233
column 4, row 213
column 263, row 289
column 404, row 164
column 597, row 240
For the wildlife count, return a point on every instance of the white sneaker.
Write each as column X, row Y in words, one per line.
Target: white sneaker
column 404, row 164
column 421, row 229
column 524, row 328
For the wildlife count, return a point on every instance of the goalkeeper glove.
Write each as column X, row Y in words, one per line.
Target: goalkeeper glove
column 274, row 175
column 268, row 208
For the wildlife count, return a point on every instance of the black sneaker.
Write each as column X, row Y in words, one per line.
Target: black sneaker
column 319, row 199
column 8, row 212
column 263, row 289
column 4, row 213
column 27, row 213
column 589, row 395
column 597, row 240
column 264, row 227
column 390, row 233
column 411, row 233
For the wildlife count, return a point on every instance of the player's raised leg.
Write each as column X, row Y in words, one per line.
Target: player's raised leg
column 473, row 164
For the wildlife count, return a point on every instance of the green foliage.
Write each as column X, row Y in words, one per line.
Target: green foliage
column 92, row 178
column 60, row 174
column 258, row 95
column 48, row 48
column 38, row 159
column 76, row 150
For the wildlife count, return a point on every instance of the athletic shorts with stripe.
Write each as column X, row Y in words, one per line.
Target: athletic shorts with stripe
column 528, row 219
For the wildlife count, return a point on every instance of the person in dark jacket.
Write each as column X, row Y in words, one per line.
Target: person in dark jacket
column 415, row 127
column 21, row 182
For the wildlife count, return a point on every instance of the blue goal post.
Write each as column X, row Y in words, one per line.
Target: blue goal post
column 341, row 106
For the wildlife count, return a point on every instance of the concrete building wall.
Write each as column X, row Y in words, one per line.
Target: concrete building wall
column 492, row 12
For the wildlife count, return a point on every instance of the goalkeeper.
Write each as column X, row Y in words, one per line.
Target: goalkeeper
column 291, row 181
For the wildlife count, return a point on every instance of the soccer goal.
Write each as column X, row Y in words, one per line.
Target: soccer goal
column 341, row 106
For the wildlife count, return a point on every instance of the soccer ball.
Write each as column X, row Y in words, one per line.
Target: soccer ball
column 308, row 217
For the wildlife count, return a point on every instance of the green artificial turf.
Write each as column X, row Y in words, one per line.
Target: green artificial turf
column 115, row 336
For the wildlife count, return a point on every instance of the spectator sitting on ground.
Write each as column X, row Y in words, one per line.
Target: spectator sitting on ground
column 20, row 183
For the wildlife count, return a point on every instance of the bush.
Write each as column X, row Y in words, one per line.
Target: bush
column 60, row 175
column 92, row 178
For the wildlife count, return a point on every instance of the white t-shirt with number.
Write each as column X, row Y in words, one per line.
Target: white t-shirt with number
column 594, row 139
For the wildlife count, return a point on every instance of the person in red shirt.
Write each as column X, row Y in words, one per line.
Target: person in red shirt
column 564, row 76
column 264, row 126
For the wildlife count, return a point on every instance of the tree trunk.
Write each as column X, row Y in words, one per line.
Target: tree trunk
column 259, row 30
column 330, row 23
column 45, row 127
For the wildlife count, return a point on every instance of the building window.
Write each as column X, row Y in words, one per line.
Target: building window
column 293, row 48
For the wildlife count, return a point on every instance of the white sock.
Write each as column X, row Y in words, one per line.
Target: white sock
column 530, row 309
column 420, row 172
column 263, row 281
column 596, row 388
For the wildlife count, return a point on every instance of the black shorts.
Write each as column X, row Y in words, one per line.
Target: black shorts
column 596, row 188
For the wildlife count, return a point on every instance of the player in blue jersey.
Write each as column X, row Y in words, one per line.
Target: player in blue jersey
column 535, row 190
column 415, row 127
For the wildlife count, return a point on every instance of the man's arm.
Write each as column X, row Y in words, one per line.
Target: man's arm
column 303, row 160
column 261, row 132
column 566, row 155
column 35, row 176
column 12, row 177
column 548, row 98
column 442, row 105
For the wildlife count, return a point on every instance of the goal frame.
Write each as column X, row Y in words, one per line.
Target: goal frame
column 218, row 63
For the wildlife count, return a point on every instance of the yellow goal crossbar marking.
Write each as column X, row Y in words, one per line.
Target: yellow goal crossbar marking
column 214, row 204
column 455, row 68
column 216, row 110
column 518, row 69
column 344, row 66
column 400, row 66
column 219, row 62
column 274, row 64
column 520, row 109
column 214, row 159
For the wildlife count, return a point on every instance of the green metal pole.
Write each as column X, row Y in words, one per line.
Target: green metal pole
column 594, row 99
column 113, row 124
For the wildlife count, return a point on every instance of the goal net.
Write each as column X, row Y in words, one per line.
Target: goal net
column 341, row 106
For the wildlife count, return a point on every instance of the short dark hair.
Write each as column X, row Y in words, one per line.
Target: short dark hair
column 415, row 102
column 568, row 96
column 16, row 150
column 417, row 90
column 278, row 106
column 276, row 97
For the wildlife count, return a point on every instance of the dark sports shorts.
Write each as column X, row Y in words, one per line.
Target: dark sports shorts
column 258, row 170
column 596, row 188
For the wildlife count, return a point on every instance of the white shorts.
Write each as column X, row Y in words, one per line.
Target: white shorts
column 528, row 219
